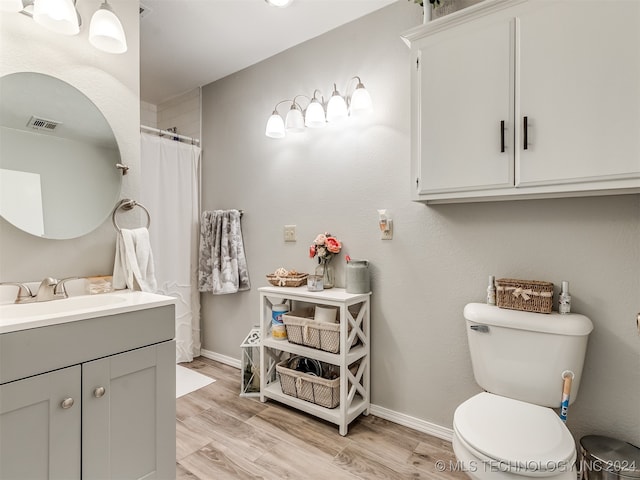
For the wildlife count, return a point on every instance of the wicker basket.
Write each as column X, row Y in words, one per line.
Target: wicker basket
column 311, row 333
column 526, row 295
column 295, row 280
column 311, row 388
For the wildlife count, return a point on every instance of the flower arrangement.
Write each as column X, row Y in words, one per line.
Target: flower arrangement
column 324, row 247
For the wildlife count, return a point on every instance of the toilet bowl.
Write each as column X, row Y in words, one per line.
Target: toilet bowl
column 521, row 358
column 500, row 438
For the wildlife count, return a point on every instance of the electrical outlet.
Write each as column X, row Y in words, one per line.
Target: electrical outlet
column 289, row 233
column 387, row 234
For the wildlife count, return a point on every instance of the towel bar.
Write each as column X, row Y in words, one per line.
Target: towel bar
column 128, row 204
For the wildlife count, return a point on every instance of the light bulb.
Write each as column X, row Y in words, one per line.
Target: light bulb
column 361, row 101
column 106, row 32
column 314, row 117
column 294, row 121
column 59, row 16
column 337, row 107
column 279, row 3
column 275, row 126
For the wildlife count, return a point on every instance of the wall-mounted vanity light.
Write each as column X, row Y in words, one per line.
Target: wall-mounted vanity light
column 60, row 16
column 314, row 116
column 275, row 124
column 279, row 3
column 294, row 122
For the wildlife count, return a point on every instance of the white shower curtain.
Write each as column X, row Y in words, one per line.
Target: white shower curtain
column 169, row 190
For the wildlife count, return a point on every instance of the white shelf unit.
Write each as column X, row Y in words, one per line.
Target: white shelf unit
column 354, row 312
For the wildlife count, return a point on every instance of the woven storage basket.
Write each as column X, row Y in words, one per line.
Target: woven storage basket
column 526, row 295
column 311, row 333
column 296, row 280
column 311, row 388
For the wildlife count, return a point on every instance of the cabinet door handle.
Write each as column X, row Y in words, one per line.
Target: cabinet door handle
column 501, row 136
column 99, row 392
column 67, row 403
column 526, row 133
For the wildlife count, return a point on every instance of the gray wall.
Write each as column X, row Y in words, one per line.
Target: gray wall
column 112, row 82
column 335, row 179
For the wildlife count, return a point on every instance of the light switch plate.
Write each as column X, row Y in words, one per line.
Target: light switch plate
column 289, row 233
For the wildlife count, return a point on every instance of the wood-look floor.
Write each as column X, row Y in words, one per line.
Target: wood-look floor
column 221, row 435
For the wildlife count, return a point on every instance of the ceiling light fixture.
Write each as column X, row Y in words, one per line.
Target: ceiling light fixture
column 61, row 16
column 279, row 3
column 338, row 108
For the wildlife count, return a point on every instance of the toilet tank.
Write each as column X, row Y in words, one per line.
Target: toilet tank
column 522, row 355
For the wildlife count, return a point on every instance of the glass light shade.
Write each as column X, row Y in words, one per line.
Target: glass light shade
column 59, row 16
column 11, row 5
column 361, row 102
column 279, row 3
column 275, row 126
column 336, row 108
column 106, row 32
column 294, row 121
column 314, row 117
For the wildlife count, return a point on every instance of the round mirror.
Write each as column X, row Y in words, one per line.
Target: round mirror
column 58, row 156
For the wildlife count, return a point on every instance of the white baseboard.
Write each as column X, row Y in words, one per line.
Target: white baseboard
column 218, row 357
column 395, row 417
column 412, row 422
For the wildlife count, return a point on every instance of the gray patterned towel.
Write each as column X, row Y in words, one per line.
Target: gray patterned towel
column 223, row 265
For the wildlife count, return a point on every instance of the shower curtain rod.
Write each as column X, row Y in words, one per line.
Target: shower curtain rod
column 174, row 136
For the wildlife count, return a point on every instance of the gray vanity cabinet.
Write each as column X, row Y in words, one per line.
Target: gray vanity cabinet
column 38, row 437
column 126, row 400
column 90, row 399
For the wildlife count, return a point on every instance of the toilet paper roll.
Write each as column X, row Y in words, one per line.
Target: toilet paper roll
column 326, row 314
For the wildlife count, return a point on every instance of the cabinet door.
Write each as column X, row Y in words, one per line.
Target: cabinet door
column 128, row 413
column 39, row 437
column 579, row 86
column 464, row 91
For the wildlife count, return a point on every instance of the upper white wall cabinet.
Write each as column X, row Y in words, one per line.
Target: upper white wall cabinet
column 526, row 99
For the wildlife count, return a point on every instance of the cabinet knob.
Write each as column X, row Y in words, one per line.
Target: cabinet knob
column 99, row 392
column 67, row 403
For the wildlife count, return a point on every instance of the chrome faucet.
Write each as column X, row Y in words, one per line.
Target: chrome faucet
column 46, row 290
column 49, row 289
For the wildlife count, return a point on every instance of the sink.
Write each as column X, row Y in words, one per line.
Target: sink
column 14, row 317
column 82, row 302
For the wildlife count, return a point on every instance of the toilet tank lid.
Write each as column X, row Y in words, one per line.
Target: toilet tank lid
column 566, row 324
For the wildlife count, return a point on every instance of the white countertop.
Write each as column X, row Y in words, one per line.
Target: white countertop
column 16, row 317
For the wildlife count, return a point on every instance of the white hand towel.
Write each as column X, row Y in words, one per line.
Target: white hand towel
column 133, row 267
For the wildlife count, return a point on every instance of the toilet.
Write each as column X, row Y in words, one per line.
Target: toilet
column 510, row 431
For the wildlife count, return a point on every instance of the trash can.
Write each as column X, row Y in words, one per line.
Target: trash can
column 604, row 458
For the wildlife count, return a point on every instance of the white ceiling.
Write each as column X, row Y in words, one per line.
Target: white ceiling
column 189, row 43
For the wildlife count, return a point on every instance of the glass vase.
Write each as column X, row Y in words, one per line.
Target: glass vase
column 325, row 269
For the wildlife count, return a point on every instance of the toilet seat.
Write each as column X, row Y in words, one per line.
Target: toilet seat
column 514, row 436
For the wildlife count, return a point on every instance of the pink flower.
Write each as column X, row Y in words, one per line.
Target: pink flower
column 320, row 239
column 333, row 244
column 324, row 247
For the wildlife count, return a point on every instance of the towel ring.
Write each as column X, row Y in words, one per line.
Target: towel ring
column 128, row 204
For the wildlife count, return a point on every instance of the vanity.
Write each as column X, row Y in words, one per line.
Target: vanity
column 87, row 387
